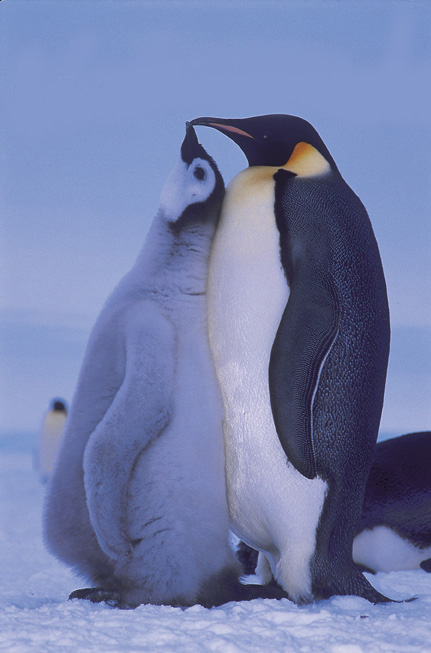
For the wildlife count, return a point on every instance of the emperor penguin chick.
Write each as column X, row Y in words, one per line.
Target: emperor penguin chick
column 299, row 329
column 137, row 502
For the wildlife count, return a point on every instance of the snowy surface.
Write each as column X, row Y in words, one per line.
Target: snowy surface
column 35, row 614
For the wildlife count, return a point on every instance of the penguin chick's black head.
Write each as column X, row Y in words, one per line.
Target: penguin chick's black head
column 269, row 140
column 199, row 183
column 192, row 151
column 191, row 148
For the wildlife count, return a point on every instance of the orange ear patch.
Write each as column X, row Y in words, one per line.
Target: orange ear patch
column 306, row 161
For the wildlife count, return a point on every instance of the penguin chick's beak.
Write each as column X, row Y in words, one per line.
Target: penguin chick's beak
column 190, row 148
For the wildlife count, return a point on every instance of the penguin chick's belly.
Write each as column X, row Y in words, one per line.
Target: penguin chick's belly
column 382, row 549
column 177, row 514
column 247, row 295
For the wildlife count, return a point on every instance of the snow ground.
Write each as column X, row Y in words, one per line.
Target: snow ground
column 35, row 614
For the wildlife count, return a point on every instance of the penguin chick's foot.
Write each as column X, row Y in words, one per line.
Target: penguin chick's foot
column 226, row 587
column 100, row 595
column 250, row 592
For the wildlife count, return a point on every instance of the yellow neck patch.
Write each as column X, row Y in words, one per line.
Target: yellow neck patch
column 306, row 161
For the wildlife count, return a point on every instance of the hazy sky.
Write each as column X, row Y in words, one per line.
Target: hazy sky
column 94, row 96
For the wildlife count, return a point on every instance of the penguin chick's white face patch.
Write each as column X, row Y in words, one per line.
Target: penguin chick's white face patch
column 187, row 184
column 306, row 161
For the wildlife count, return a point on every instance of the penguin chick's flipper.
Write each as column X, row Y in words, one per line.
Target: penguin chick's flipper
column 304, row 339
column 139, row 413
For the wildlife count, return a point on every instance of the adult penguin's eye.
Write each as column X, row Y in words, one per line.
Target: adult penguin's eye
column 199, row 173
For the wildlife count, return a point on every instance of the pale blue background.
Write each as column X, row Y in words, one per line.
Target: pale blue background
column 94, row 96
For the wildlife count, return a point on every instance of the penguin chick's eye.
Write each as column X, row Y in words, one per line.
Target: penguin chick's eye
column 199, row 173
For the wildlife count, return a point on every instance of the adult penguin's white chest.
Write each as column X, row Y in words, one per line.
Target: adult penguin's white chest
column 247, row 295
column 247, row 289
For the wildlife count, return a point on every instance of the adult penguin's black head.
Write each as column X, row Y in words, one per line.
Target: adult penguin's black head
column 271, row 140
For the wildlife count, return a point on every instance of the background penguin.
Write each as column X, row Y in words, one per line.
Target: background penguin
column 137, row 501
column 302, row 374
column 394, row 531
column 50, row 436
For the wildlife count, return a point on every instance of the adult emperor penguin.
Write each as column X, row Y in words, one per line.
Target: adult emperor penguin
column 299, row 330
column 137, row 501
column 50, row 436
column 394, row 531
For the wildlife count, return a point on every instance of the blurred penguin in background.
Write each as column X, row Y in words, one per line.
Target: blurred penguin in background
column 50, row 436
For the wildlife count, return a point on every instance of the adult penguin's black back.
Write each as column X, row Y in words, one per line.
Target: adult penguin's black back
column 321, row 354
column 394, row 531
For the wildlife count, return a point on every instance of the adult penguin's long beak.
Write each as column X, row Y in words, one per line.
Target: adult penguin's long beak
column 240, row 130
column 230, row 127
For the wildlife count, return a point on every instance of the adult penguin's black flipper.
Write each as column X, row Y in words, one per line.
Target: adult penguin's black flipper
column 304, row 338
